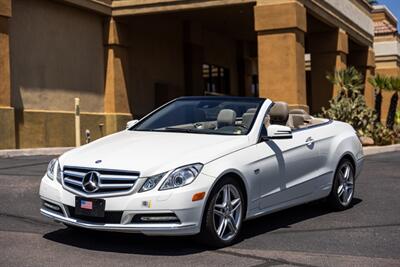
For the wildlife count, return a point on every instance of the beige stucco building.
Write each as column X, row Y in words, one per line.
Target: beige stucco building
column 387, row 48
column 123, row 58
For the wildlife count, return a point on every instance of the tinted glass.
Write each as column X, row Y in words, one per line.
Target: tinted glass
column 208, row 115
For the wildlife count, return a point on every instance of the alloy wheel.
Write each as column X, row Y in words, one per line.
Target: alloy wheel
column 227, row 212
column 345, row 189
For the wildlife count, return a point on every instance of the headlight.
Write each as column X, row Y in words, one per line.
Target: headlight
column 182, row 176
column 151, row 182
column 54, row 170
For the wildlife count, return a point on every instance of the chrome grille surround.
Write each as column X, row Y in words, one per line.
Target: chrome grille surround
column 111, row 182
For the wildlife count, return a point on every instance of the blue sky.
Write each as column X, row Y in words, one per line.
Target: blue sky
column 394, row 6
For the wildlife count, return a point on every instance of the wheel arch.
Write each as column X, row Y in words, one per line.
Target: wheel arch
column 240, row 179
column 349, row 156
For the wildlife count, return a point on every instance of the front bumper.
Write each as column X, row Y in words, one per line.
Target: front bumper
column 147, row 229
column 176, row 201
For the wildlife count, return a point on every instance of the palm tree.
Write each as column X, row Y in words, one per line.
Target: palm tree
column 349, row 80
column 394, row 86
column 379, row 82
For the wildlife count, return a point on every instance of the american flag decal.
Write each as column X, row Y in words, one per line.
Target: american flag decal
column 86, row 204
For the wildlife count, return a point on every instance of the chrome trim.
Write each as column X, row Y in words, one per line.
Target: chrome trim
column 63, row 210
column 116, row 185
column 148, row 228
column 77, row 183
column 74, row 173
column 125, row 181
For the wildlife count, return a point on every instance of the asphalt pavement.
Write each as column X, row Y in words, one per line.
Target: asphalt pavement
column 368, row 234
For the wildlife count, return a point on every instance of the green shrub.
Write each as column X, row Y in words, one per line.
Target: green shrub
column 382, row 135
column 353, row 111
column 350, row 106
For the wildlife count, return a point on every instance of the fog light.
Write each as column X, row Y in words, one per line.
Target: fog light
column 51, row 206
column 155, row 218
column 158, row 219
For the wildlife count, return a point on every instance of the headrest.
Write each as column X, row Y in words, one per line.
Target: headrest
column 247, row 119
column 297, row 120
column 279, row 113
column 251, row 110
column 226, row 117
column 298, row 111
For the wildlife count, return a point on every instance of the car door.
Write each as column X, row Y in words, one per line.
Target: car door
column 297, row 160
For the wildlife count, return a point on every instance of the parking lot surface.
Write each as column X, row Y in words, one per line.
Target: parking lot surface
column 368, row 234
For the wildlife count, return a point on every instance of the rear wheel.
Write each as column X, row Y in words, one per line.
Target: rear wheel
column 342, row 193
column 224, row 214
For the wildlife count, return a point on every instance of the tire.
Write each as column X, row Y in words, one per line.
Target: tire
column 343, row 188
column 222, row 223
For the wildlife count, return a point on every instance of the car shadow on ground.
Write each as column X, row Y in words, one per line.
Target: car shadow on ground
column 176, row 246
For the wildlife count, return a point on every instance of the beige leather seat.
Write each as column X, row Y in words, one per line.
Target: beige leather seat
column 226, row 117
column 296, row 121
column 247, row 119
column 298, row 118
column 279, row 113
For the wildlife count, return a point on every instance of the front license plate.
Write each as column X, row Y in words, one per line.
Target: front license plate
column 89, row 206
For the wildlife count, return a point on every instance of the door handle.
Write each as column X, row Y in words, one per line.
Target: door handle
column 309, row 140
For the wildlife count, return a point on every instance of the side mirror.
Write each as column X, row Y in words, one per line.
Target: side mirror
column 131, row 123
column 275, row 131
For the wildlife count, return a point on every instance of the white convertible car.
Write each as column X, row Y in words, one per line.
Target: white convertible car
column 203, row 165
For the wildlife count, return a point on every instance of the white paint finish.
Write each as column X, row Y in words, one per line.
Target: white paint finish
column 277, row 173
column 391, row 48
column 353, row 13
column 152, row 153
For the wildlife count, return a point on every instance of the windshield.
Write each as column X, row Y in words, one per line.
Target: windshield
column 206, row 115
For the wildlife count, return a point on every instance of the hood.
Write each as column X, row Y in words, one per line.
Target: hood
column 151, row 153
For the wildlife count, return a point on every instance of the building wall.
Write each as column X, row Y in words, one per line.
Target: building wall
column 58, row 52
column 387, row 50
column 385, row 69
column 155, row 60
column 220, row 49
column 56, row 55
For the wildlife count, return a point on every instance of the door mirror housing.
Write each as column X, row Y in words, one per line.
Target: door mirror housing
column 131, row 123
column 275, row 131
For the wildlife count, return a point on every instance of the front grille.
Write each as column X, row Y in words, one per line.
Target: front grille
column 109, row 216
column 110, row 182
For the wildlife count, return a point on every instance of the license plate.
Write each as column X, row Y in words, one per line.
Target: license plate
column 89, row 206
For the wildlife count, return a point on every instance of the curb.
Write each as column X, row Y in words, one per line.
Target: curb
column 372, row 150
column 10, row 153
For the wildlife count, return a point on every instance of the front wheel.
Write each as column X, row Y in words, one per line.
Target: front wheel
column 342, row 192
column 224, row 214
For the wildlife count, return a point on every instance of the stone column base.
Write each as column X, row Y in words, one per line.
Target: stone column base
column 41, row 128
column 7, row 128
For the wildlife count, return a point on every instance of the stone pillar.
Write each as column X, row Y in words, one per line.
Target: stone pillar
column 328, row 53
column 364, row 61
column 116, row 101
column 281, row 68
column 116, row 86
column 7, row 117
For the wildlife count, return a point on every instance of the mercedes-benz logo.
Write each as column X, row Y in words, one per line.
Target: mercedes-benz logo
column 90, row 182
